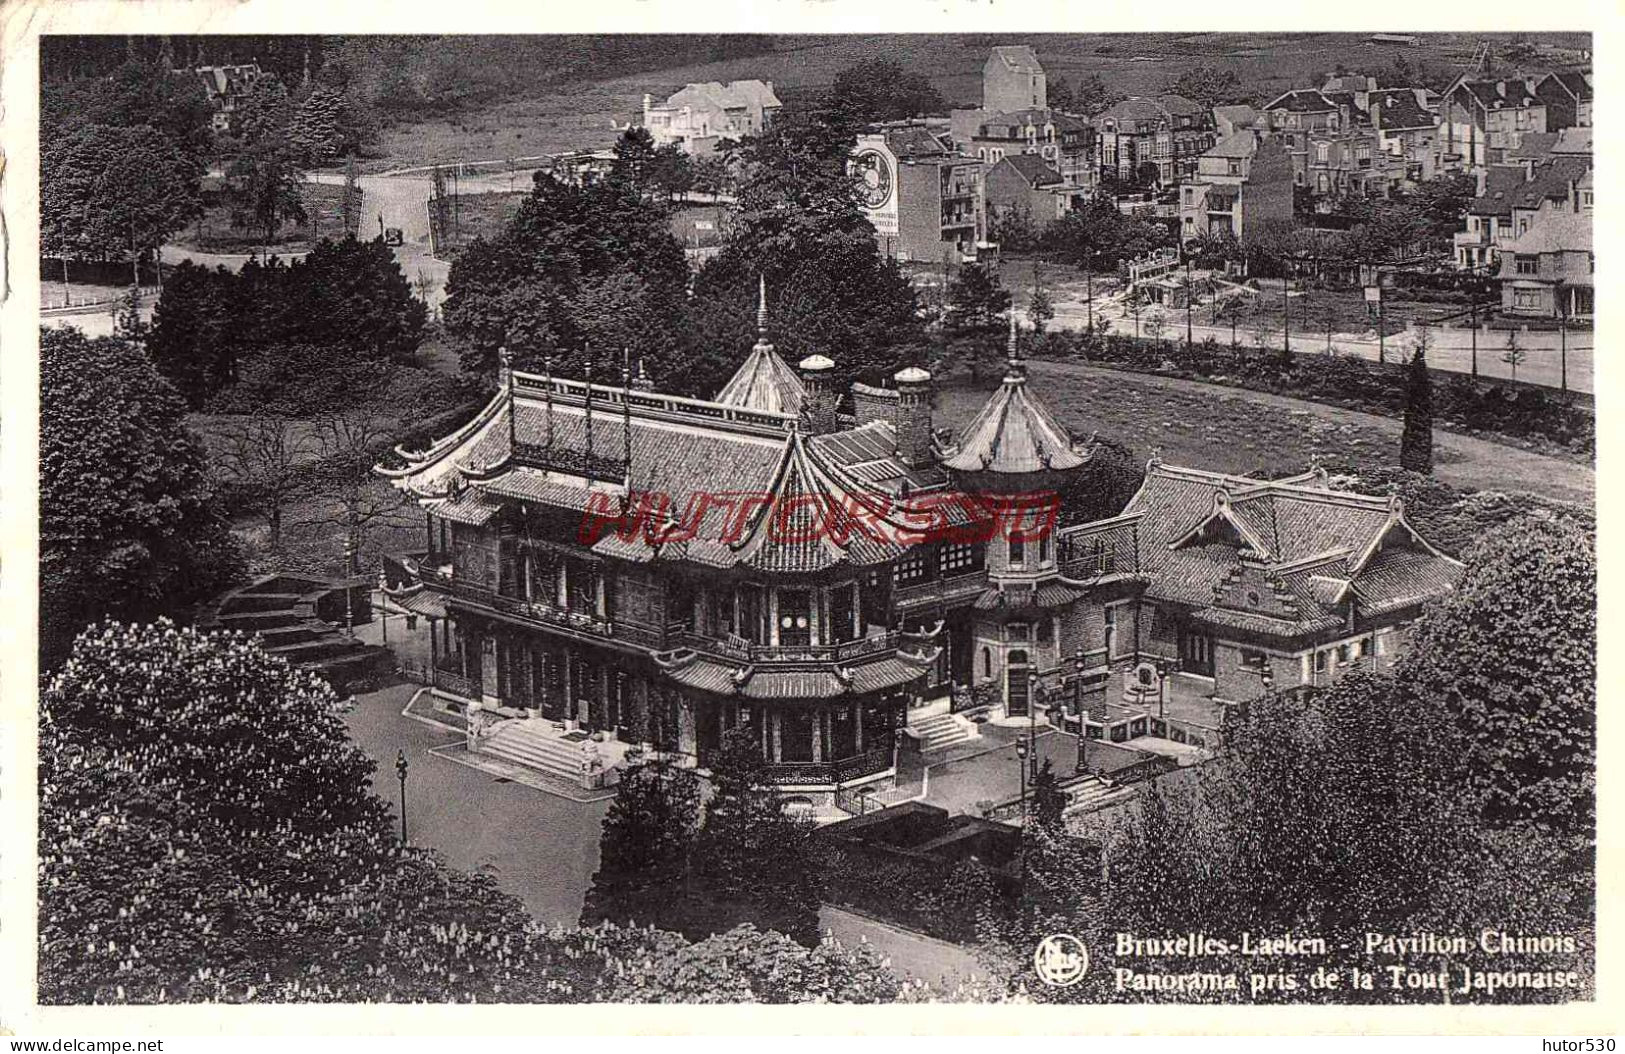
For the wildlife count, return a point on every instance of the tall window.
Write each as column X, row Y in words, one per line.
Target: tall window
column 1018, row 552
column 1528, row 264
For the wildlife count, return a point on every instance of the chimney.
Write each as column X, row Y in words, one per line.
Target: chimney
column 913, row 416
column 1574, row 197
column 1481, row 179
column 818, row 408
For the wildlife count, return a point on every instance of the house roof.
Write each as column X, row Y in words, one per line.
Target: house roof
column 733, row 95
column 1144, row 108
column 1018, row 57
column 1239, row 116
column 1032, row 168
column 1302, row 100
column 763, row 681
column 1574, row 82
column 1393, row 108
column 914, row 141
column 1554, row 230
column 1237, row 144
column 1573, row 141
column 1499, row 94
column 1014, row 433
column 1200, row 532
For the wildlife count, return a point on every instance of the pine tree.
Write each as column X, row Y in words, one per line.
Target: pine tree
column 316, row 134
column 1416, row 441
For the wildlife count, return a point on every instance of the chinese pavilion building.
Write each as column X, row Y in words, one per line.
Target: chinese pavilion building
column 663, row 569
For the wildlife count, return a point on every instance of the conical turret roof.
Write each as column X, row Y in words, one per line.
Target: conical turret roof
column 764, row 381
column 1015, row 433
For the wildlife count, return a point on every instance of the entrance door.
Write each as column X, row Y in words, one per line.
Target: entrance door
column 843, row 732
column 1016, row 687
column 796, row 735
column 707, row 729
column 1195, row 652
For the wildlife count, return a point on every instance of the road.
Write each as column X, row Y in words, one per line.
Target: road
column 540, row 848
column 1449, row 348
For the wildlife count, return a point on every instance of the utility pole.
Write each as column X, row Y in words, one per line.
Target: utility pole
column 1563, row 339
column 1088, row 278
column 1286, row 314
column 1190, row 292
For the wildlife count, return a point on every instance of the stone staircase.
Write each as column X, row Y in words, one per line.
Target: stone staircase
column 1093, row 794
column 297, row 617
column 532, row 744
column 938, row 731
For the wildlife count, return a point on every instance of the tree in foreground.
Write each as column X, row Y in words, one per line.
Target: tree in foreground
column 1510, row 654
column 128, row 527
column 208, row 833
column 644, row 850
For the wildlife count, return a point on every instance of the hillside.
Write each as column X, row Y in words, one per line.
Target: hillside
column 578, row 109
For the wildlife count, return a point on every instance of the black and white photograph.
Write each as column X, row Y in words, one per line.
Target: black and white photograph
column 1014, row 516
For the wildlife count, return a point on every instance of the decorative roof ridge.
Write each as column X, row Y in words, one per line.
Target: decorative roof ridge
column 614, row 401
column 417, row 461
column 1311, row 562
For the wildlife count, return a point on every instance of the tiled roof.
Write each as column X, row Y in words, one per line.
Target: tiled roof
column 1014, row 433
column 1499, row 185
column 1397, row 578
column 1304, row 539
column 1397, row 108
column 732, row 95
column 1018, row 57
column 1034, row 169
column 702, row 672
column 1550, row 181
column 470, row 507
column 1575, row 82
column 764, row 381
column 1553, row 231
column 1495, row 95
column 1573, row 141
column 914, row 141
column 1237, row 144
column 1302, row 100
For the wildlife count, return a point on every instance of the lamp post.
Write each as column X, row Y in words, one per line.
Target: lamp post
column 349, row 570
column 400, row 770
column 1021, row 765
column 1089, row 285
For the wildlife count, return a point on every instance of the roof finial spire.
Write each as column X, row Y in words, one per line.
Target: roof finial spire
column 761, row 309
column 1016, row 367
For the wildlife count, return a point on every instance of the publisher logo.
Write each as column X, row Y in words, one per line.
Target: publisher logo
column 1061, row 960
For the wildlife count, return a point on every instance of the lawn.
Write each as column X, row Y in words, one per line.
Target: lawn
column 215, row 232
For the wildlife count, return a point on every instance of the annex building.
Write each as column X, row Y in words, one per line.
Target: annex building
column 663, row 569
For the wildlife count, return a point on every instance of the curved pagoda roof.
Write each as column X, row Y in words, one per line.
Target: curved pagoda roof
column 1014, row 433
column 764, row 381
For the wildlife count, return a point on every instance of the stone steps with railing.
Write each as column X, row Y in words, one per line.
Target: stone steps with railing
column 942, row 730
column 532, row 745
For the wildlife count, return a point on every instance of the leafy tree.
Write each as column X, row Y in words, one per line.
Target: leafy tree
column 751, row 856
column 127, row 525
column 570, row 256
column 1101, row 237
column 111, row 191
column 269, row 179
column 316, row 135
column 352, row 294
column 647, row 835
column 1208, row 86
column 672, row 171
column 263, row 114
column 634, row 164
column 712, row 175
column 1416, row 440
column 1092, row 96
column 746, row 965
column 976, row 300
column 1510, row 655
column 879, row 89
column 136, row 93
column 197, row 331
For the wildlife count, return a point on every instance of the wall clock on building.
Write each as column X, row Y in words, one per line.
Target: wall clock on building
column 874, row 186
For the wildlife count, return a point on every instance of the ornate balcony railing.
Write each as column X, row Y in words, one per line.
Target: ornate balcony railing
column 739, row 650
column 941, row 589
column 554, row 616
column 869, row 763
column 573, row 462
column 456, row 684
